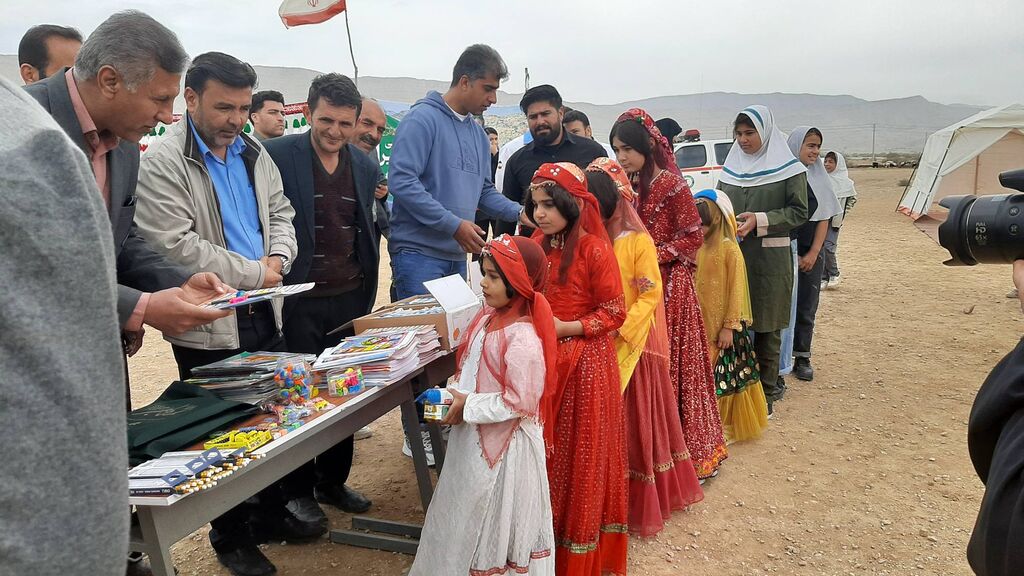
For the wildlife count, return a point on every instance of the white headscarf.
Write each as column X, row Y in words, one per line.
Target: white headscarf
column 772, row 163
column 818, row 179
column 842, row 185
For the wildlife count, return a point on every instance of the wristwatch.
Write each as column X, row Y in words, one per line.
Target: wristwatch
column 285, row 267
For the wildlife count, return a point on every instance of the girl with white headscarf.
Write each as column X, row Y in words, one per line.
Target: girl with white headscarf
column 768, row 188
column 845, row 191
column 805, row 143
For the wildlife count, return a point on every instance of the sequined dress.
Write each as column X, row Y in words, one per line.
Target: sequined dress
column 587, row 471
column 674, row 224
column 725, row 303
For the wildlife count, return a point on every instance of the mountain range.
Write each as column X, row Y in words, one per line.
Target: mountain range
column 847, row 122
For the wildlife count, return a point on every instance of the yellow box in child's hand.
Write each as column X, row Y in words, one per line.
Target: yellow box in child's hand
column 435, row 412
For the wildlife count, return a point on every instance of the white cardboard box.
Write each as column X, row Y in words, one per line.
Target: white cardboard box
column 460, row 306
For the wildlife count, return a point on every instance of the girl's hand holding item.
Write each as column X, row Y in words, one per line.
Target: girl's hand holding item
column 808, row 260
column 454, row 415
column 725, row 338
column 746, row 223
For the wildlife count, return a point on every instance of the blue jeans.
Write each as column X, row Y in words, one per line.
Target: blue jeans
column 786, row 359
column 411, row 269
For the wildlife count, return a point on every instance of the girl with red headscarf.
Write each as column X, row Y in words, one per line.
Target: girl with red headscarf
column 661, row 477
column 666, row 206
column 585, row 424
column 491, row 513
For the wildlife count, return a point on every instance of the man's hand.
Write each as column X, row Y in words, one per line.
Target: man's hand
column 132, row 341
column 746, row 223
column 271, row 277
column 524, row 220
column 273, row 262
column 808, row 260
column 171, row 313
column 1018, row 280
column 469, row 237
column 381, row 192
column 203, row 287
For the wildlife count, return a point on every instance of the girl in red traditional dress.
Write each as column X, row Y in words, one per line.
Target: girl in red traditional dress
column 668, row 209
column 584, row 424
column 661, row 477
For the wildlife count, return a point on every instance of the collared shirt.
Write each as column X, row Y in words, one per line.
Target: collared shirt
column 239, row 211
column 99, row 143
column 521, row 166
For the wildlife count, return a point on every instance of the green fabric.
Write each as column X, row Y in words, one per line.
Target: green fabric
column 770, row 269
column 736, row 367
column 182, row 415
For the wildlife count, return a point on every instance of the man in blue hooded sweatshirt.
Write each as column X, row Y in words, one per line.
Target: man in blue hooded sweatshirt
column 440, row 173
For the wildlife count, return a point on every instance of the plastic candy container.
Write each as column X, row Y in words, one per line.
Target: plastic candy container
column 346, row 382
column 296, row 381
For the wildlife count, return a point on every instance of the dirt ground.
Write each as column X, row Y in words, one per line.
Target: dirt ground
column 863, row 471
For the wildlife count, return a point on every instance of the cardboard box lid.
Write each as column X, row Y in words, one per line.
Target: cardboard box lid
column 452, row 292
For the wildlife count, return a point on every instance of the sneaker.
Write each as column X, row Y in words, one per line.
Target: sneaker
column 802, row 369
column 363, row 433
column 1012, row 293
column 833, row 282
column 425, row 437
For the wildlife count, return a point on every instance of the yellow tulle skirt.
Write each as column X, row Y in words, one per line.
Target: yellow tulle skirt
column 744, row 413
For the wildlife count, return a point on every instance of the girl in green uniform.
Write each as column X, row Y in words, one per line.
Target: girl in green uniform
column 768, row 189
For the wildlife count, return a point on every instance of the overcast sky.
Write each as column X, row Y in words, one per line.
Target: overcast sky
column 949, row 51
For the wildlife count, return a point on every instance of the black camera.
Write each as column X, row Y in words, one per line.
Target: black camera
column 985, row 229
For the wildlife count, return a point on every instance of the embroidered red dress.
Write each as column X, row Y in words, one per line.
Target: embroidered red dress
column 674, row 224
column 588, row 468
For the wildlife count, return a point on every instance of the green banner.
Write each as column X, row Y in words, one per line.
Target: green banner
column 384, row 148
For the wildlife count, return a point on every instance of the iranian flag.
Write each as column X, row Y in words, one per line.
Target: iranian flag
column 301, row 12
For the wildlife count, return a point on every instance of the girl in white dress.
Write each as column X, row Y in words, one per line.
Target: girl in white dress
column 491, row 512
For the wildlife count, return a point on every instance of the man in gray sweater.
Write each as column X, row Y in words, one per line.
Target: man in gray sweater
column 62, row 399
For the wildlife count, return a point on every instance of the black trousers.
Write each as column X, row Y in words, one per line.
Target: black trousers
column 767, row 346
column 305, row 328
column 256, row 332
column 808, row 292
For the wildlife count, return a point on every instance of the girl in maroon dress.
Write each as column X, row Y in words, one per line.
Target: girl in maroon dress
column 667, row 208
column 584, row 423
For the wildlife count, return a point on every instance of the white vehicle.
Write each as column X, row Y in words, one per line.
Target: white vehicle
column 701, row 162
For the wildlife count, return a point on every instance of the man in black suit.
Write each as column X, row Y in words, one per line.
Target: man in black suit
column 121, row 86
column 331, row 185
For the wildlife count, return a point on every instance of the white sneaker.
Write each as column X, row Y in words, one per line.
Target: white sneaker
column 363, row 433
column 833, row 282
column 425, row 437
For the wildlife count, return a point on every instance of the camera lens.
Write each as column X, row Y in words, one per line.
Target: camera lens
column 983, row 229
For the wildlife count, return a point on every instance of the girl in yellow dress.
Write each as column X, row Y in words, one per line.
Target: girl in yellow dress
column 725, row 303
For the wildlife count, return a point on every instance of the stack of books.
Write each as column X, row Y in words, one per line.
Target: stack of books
column 385, row 355
column 247, row 377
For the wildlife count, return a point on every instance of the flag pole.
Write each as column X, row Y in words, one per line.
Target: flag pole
column 351, row 52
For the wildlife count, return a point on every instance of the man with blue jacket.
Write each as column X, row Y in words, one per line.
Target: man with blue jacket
column 440, row 174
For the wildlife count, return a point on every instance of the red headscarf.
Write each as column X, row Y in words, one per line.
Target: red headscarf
column 663, row 156
column 524, row 265
column 625, row 218
column 569, row 177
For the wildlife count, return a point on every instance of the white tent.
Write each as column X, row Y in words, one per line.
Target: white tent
column 966, row 158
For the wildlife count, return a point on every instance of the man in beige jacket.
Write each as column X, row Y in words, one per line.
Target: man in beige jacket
column 211, row 199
